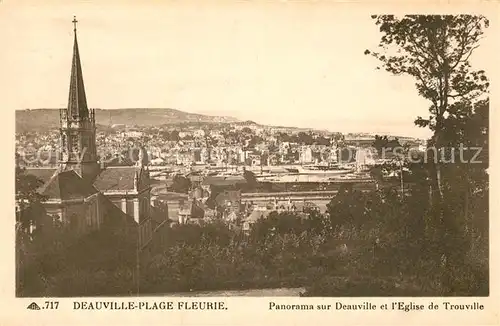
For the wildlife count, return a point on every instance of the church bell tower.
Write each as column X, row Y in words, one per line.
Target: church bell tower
column 78, row 131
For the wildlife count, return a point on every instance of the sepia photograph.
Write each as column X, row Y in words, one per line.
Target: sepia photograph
column 243, row 150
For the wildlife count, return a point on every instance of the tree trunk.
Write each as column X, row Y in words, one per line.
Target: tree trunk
column 439, row 182
column 441, row 219
column 402, row 181
column 467, row 199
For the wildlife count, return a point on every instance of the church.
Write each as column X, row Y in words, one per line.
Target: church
column 82, row 193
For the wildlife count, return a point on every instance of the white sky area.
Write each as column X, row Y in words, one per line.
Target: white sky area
column 282, row 64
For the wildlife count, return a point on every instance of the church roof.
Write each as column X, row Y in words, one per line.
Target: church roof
column 116, row 178
column 67, row 185
column 77, row 101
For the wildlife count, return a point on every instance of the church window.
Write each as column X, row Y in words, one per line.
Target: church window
column 74, row 143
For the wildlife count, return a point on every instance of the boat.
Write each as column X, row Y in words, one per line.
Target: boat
column 331, row 169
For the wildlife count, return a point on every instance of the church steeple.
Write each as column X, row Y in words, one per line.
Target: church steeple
column 78, row 131
column 77, row 102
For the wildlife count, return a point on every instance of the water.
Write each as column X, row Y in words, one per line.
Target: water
column 281, row 292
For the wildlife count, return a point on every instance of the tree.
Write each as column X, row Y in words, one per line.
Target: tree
column 305, row 138
column 247, row 130
column 27, row 196
column 435, row 50
column 320, row 140
column 250, row 178
column 174, row 136
column 272, row 147
column 28, row 199
column 380, row 143
column 394, row 156
column 181, row 184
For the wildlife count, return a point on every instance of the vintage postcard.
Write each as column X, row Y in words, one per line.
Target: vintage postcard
column 238, row 162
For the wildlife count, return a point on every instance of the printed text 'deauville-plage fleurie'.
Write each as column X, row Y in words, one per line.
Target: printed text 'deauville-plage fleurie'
column 146, row 305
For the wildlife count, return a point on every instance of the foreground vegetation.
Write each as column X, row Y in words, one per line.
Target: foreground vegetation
column 369, row 244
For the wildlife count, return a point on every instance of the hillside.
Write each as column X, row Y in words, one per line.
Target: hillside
column 43, row 119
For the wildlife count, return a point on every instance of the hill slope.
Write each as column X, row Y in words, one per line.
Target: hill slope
column 43, row 119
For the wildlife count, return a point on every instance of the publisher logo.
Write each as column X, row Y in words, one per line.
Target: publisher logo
column 33, row 306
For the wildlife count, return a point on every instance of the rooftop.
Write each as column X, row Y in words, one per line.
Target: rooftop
column 67, row 185
column 116, row 178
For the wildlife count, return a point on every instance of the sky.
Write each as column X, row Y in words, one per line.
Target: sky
column 294, row 64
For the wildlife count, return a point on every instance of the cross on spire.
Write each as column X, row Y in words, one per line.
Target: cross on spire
column 74, row 23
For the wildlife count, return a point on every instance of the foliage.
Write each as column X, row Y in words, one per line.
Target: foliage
column 385, row 146
column 304, row 138
column 58, row 265
column 435, row 51
column 29, row 199
column 181, row 184
column 250, row 178
column 26, row 187
column 369, row 243
column 375, row 242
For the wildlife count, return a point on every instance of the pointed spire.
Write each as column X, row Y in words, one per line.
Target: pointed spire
column 77, row 103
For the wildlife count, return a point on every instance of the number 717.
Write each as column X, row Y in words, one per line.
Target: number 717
column 51, row 304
